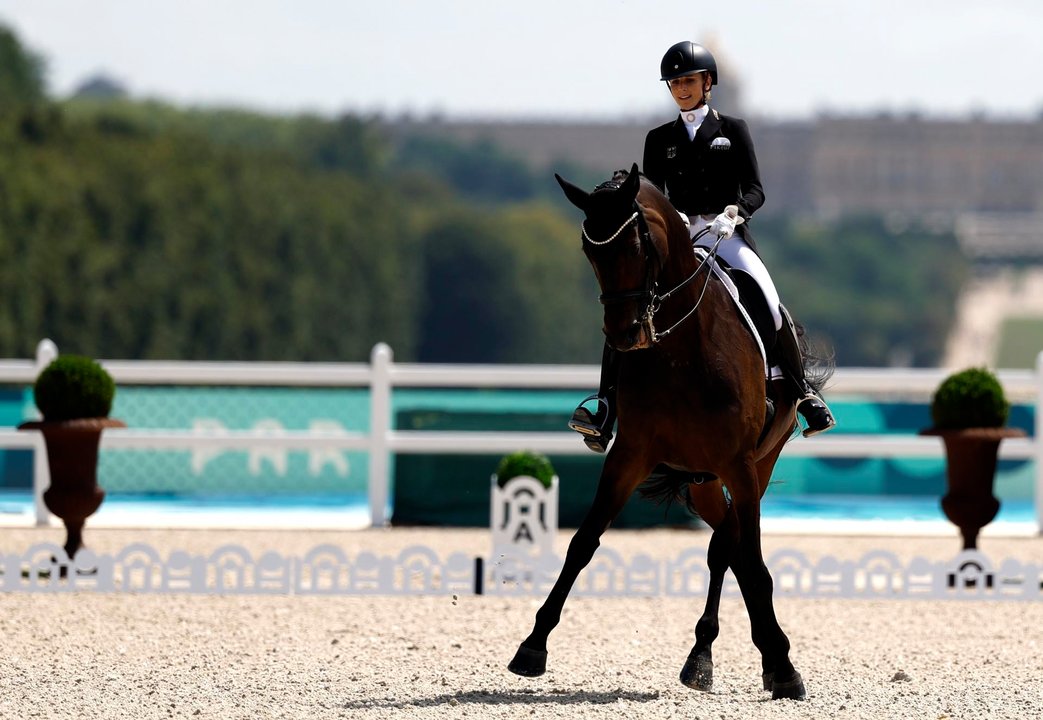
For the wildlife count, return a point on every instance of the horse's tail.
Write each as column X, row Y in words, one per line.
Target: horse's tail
column 819, row 363
column 667, row 485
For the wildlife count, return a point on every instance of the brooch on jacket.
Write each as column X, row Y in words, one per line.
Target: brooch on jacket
column 721, row 143
column 671, row 152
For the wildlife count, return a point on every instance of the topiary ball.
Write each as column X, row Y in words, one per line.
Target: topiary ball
column 967, row 399
column 526, row 463
column 74, row 387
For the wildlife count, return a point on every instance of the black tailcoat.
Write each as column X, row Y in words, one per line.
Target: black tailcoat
column 703, row 175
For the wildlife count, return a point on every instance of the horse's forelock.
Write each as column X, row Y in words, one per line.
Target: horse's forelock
column 614, row 183
column 649, row 196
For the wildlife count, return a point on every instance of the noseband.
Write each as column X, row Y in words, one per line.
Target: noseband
column 650, row 295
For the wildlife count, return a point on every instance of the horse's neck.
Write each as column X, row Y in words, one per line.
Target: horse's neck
column 681, row 265
column 685, row 339
column 681, row 262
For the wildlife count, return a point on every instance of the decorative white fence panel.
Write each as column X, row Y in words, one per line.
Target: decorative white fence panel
column 381, row 375
column 418, row 570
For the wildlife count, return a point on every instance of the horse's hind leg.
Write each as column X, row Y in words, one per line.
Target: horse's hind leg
column 697, row 672
column 765, row 467
column 531, row 658
column 756, row 585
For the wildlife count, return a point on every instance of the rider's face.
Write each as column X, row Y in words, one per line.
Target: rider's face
column 688, row 90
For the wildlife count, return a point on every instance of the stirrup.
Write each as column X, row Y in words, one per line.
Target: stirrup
column 593, row 427
column 817, row 415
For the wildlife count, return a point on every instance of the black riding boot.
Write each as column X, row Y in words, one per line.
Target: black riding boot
column 596, row 427
column 813, row 408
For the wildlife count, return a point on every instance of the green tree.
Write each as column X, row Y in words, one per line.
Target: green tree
column 124, row 241
column 511, row 285
column 21, row 74
column 478, row 171
column 877, row 294
column 471, row 311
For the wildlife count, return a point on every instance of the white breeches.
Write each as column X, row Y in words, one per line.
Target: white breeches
column 739, row 255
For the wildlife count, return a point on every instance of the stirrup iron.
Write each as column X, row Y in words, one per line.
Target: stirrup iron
column 586, row 423
column 595, row 428
column 816, row 414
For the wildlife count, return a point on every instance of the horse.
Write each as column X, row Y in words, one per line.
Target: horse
column 693, row 401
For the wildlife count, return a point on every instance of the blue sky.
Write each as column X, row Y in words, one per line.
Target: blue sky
column 544, row 58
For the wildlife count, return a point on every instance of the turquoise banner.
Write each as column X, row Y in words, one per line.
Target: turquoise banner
column 261, row 471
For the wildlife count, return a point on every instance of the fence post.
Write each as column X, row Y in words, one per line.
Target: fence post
column 46, row 352
column 379, row 429
column 1038, row 431
column 41, row 480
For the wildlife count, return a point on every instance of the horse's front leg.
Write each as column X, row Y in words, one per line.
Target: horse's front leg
column 619, row 477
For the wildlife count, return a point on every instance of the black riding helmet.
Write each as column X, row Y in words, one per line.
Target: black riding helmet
column 685, row 58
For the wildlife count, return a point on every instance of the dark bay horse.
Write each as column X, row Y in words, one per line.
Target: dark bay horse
column 692, row 398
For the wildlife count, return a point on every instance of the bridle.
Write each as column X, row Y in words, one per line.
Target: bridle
column 650, row 294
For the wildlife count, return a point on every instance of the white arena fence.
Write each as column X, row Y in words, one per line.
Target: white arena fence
column 418, row 570
column 382, row 374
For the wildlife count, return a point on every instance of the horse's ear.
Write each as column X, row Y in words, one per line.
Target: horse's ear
column 633, row 182
column 577, row 196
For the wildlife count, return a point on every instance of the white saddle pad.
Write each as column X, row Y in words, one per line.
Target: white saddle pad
column 770, row 373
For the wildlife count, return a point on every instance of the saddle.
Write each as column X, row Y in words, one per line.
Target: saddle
column 751, row 305
column 753, row 308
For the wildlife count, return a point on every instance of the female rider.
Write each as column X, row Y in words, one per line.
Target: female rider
column 705, row 163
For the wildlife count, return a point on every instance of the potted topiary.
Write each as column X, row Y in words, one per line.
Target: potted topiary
column 969, row 411
column 525, row 463
column 74, row 395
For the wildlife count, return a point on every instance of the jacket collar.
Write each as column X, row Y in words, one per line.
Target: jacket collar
column 711, row 124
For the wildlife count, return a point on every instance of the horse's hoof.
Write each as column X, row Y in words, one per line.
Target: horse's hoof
column 768, row 679
column 789, row 690
column 697, row 673
column 528, row 662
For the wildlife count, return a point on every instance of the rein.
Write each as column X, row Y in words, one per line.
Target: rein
column 657, row 300
column 650, row 293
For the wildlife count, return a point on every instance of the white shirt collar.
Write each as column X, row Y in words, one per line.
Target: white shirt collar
column 692, row 119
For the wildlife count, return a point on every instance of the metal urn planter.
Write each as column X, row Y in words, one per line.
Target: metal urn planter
column 72, row 455
column 74, row 394
column 971, row 457
column 969, row 411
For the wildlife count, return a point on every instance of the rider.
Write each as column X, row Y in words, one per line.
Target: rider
column 705, row 163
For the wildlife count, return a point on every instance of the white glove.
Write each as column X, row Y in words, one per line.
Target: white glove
column 724, row 224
